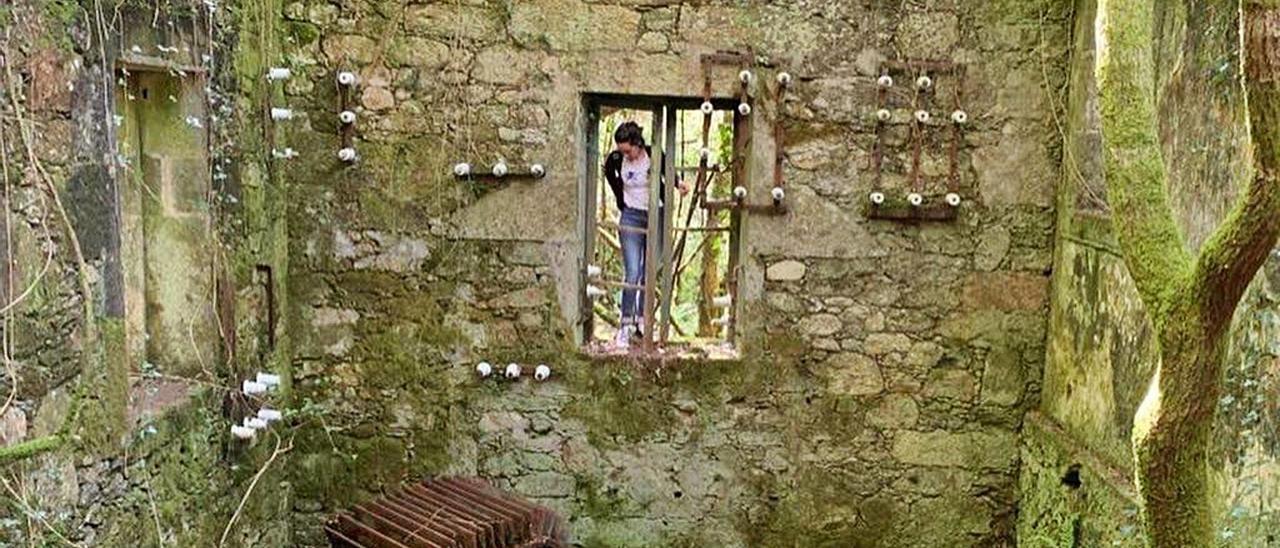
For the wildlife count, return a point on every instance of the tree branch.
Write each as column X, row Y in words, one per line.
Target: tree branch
column 1237, row 249
column 1134, row 167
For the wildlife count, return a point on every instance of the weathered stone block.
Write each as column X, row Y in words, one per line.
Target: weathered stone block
column 418, row 52
column 928, row 35
column 1002, row 377
column 545, row 484
column 854, row 375
column 820, row 325
column 785, row 271
column 653, row 42
column 986, row 449
column 894, row 411
column 349, row 48
column 993, row 245
column 566, row 25
column 503, row 65
column 955, row 384
column 879, row 344
column 1016, row 171
column 449, row 21
column 1008, row 291
column 377, row 98
column 50, row 81
column 13, row 426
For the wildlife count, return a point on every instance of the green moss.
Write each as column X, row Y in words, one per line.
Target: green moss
column 30, row 448
column 98, row 414
column 1066, row 503
column 303, row 34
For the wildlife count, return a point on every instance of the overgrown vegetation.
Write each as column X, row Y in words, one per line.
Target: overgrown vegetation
column 1190, row 299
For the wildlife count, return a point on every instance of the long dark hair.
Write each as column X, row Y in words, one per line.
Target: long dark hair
column 629, row 132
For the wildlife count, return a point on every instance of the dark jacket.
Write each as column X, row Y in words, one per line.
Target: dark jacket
column 613, row 174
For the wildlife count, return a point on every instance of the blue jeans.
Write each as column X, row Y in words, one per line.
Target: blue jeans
column 634, row 246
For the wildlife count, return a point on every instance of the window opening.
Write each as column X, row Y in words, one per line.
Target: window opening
column 690, row 310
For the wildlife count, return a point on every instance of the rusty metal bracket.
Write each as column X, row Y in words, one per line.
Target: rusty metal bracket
column 346, row 102
column 906, row 212
column 923, row 98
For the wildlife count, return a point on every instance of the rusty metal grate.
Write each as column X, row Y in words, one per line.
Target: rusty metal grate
column 448, row 513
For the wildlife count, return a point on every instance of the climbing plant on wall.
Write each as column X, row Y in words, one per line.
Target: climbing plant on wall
column 1190, row 298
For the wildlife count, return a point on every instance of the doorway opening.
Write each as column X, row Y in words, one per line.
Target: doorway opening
column 166, row 224
column 683, row 302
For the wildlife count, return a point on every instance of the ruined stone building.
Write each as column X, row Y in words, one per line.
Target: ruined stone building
column 186, row 207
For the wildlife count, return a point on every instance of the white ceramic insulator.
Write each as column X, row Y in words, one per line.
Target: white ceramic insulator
column 484, row 369
column 538, row 170
column 513, row 371
column 252, row 387
column 255, row 423
column 877, row 198
column 953, row 199
column 959, row 117
column 281, row 114
column 721, row 321
column 915, row 199
column 347, row 154
column 593, row 271
column 722, row 301
column 784, row 78
column 285, row 154
column 922, row 116
column 884, row 115
column 268, row 379
column 778, row 194
column 740, row 192
column 462, row 169
column 347, row 117
column 347, row 78
column 594, row 292
column 542, row 372
column 269, row 415
column 744, row 109
column 499, row 169
column 744, row 76
column 279, row 73
column 707, row 107
column 243, row 432
column 885, row 81
column 924, row 82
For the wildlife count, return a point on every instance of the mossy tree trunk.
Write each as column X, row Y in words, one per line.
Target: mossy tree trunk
column 1190, row 299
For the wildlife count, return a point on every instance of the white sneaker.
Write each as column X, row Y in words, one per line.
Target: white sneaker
column 623, row 338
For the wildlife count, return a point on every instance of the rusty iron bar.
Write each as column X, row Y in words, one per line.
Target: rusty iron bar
column 921, row 103
column 447, row 513
column 347, row 132
column 649, row 298
column 877, row 152
column 738, row 205
column 777, row 135
column 957, row 133
column 912, row 214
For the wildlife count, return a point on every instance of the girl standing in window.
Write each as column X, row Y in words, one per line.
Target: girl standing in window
column 627, row 171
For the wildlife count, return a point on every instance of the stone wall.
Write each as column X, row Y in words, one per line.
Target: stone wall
column 1100, row 348
column 885, row 367
column 105, row 439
